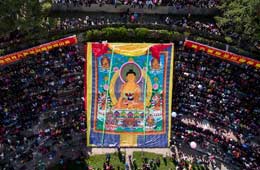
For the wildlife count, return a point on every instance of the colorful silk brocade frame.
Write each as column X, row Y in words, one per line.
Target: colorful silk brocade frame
column 128, row 94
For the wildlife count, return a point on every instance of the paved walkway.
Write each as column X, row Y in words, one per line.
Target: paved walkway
column 229, row 135
column 129, row 151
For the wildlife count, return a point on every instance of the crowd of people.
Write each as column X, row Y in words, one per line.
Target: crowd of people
column 187, row 23
column 17, row 38
column 41, row 103
column 80, row 23
column 225, row 95
column 41, row 106
column 178, row 4
column 194, row 3
column 136, row 18
column 41, row 98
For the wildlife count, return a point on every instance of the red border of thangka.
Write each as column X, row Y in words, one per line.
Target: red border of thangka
column 164, row 103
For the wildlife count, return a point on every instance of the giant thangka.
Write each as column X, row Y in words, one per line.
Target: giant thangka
column 128, row 94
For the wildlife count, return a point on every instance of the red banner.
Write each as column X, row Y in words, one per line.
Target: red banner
column 222, row 54
column 10, row 58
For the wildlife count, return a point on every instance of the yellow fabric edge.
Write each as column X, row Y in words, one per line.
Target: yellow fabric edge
column 89, row 90
column 136, row 48
column 170, row 94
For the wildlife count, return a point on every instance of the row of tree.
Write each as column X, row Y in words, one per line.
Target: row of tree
column 241, row 17
column 23, row 15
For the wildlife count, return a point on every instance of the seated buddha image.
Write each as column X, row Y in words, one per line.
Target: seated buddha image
column 105, row 62
column 130, row 93
column 155, row 64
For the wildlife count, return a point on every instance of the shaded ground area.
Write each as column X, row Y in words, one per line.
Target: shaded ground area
column 121, row 160
column 73, row 165
column 93, row 162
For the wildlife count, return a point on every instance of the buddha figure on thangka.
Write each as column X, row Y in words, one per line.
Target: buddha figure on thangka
column 130, row 96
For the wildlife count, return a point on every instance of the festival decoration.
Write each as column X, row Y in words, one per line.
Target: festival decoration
column 222, row 54
column 128, row 94
column 10, row 58
column 174, row 114
column 193, row 145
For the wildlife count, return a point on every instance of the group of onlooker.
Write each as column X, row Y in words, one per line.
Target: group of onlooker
column 224, row 95
column 187, row 23
column 184, row 22
column 132, row 3
column 42, row 111
column 41, row 106
column 142, row 3
column 194, row 3
column 79, row 23
column 41, row 97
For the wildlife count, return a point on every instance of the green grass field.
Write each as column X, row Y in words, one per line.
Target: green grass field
column 96, row 161
column 139, row 157
column 165, row 165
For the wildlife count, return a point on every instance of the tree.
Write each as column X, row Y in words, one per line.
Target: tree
column 241, row 17
column 24, row 15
